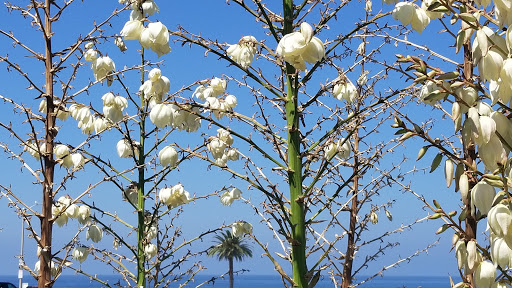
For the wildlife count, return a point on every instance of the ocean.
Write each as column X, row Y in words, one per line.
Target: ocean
column 253, row 281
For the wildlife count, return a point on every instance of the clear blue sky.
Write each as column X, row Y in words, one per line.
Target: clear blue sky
column 184, row 65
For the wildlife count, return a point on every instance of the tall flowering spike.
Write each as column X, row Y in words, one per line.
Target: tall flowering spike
column 95, row 233
column 485, row 275
column 482, row 196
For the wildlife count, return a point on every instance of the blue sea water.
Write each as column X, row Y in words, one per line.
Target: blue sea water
column 253, row 281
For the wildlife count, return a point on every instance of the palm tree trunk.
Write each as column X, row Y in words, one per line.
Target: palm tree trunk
column 231, row 278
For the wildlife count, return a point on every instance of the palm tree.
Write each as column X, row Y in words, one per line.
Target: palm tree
column 230, row 247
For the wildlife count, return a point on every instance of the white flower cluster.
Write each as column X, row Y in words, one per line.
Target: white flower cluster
column 243, row 52
column 113, row 106
column 155, row 88
column 210, row 94
column 240, row 228
column 227, row 198
column 341, row 150
column 102, row 66
column 297, row 48
column 155, row 36
column 125, row 150
column 345, row 90
column 174, row 196
column 409, row 13
column 62, row 113
column 65, row 159
column 172, row 115
column 86, row 121
column 62, row 210
column 220, row 147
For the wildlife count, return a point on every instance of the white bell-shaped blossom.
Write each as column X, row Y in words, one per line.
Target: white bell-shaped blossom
column 149, row 7
column 492, row 153
column 132, row 30
column 330, row 150
column 344, row 150
column 54, row 268
column 230, row 101
column 431, row 93
column 485, row 274
column 174, row 196
column 225, row 136
column 499, row 220
column 102, row 67
column 72, row 211
column 33, row 150
column 448, row 172
column 472, row 255
column 490, row 65
column 62, row 154
column 243, row 52
column 90, row 55
column 404, row 12
column 151, row 232
column 62, row 113
column 124, row 149
column 156, row 38
column 420, row 20
column 503, row 126
column 150, row 250
column 218, row 85
column 216, row 147
column 461, row 253
column 161, row 115
column 80, row 253
column 297, row 48
column 78, row 160
column 500, row 252
column 482, row 195
column 100, row 125
column 58, row 212
column 95, row 233
column 168, row 156
column 113, row 106
column 84, row 214
column 240, row 228
column 345, row 90
column 227, row 198
column 232, row 154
